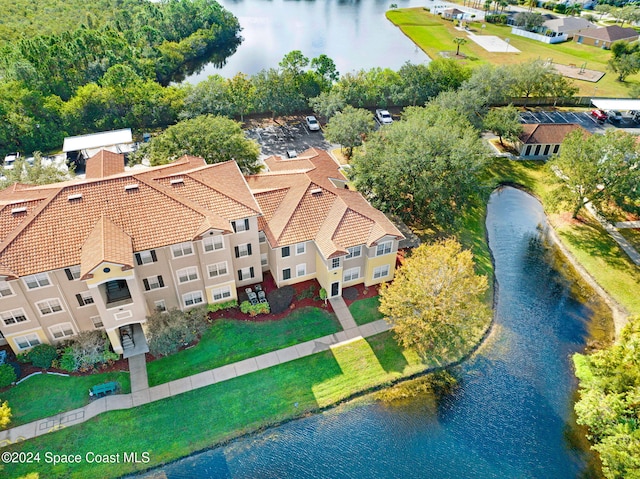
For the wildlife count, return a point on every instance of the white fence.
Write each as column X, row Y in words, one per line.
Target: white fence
column 537, row 36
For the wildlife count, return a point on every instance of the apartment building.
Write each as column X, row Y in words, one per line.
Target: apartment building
column 104, row 251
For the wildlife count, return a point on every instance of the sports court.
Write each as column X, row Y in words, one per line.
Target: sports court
column 492, row 43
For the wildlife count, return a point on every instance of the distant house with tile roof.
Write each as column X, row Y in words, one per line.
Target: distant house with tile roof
column 541, row 140
column 104, row 251
column 565, row 26
column 603, row 37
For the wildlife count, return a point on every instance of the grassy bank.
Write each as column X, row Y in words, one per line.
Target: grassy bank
column 365, row 310
column 434, row 35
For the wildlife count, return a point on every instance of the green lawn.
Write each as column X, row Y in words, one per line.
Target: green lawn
column 178, row 426
column 632, row 236
column 433, row 35
column 45, row 395
column 228, row 341
column 366, row 310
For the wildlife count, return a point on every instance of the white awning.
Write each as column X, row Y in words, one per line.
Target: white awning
column 625, row 104
column 97, row 140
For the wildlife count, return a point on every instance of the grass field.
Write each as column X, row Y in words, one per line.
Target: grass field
column 365, row 310
column 433, row 35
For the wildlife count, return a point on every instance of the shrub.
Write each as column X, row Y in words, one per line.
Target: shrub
column 42, row 355
column 5, row 415
column 86, row 350
column 310, row 292
column 168, row 331
column 499, row 19
column 323, row 295
column 254, row 309
column 560, row 8
column 280, row 299
column 213, row 307
column 7, row 375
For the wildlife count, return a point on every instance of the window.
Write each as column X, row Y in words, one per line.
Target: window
column 381, row 271
column 160, row 305
column 213, row 243
column 245, row 273
column 264, row 259
column 286, row 274
column 262, row 237
column 13, row 317
column 546, row 150
column 354, row 252
column 37, row 280
column 301, row 248
column 146, row 257
column 537, row 152
column 301, row 269
column 5, row 289
column 192, row 298
column 351, row 274
column 335, row 263
column 153, row 282
column 84, row 298
column 286, row 251
column 187, row 274
column 556, row 149
column 219, row 294
column 218, row 269
column 243, row 250
column 27, row 341
column 383, row 248
column 182, row 249
column 49, row 306
column 241, row 225
column 63, row 330
column 72, row 273
column 527, row 152
column 97, row 322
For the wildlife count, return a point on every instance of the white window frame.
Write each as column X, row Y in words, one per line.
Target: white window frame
column 74, row 271
column 86, row 295
column 181, row 249
column 262, row 238
column 192, row 296
column 283, row 270
column 301, row 270
column 352, row 252
column 287, row 249
column 348, row 274
column 63, row 332
column 301, row 248
column 32, row 339
column 245, row 273
column 160, row 305
column 4, row 287
column 334, row 263
column 40, row 279
column 213, row 243
column 240, row 226
column 264, row 259
column 186, row 275
column 384, row 248
column 377, row 271
column 14, row 313
column 146, row 257
column 243, row 250
column 154, row 282
column 97, row 323
column 51, row 304
column 221, row 294
column 217, row 268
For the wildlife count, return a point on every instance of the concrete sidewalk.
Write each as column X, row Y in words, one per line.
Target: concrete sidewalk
column 141, row 393
column 615, row 234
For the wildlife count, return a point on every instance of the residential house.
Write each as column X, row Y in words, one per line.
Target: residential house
column 603, row 37
column 541, row 140
column 567, row 26
column 104, row 251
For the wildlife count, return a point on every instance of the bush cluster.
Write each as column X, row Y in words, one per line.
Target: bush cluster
column 7, row 375
column 212, row 308
column 500, row 19
column 85, row 351
column 310, row 292
column 42, row 355
column 173, row 329
column 254, row 309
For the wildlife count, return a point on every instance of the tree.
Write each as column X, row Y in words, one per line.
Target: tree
column 459, row 41
column 168, row 331
column 5, row 415
column 539, row 79
column 424, row 168
column 39, row 173
column 603, row 9
column 328, row 103
column 435, row 303
column 326, row 70
column 598, row 168
column 214, row 138
column 493, row 83
column 529, row 20
column 349, row 127
column 504, row 122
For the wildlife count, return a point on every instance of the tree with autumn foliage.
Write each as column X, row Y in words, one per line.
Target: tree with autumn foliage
column 435, row 303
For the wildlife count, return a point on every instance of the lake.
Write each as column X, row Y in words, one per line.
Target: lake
column 511, row 417
column 355, row 34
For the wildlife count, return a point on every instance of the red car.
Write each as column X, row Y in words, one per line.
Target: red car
column 599, row 115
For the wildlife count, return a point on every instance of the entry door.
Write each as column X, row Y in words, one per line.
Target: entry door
column 335, row 288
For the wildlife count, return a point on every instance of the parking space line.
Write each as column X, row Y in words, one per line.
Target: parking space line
column 544, row 113
column 575, row 116
column 590, row 117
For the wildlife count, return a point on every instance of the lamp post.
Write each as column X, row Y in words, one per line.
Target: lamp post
column 507, row 40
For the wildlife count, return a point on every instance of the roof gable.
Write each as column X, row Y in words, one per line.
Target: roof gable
column 547, row 133
column 106, row 243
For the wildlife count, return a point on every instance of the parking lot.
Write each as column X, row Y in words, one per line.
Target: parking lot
column 582, row 118
column 280, row 139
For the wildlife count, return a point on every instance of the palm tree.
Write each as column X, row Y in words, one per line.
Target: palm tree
column 459, row 41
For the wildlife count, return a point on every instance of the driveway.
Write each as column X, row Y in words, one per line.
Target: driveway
column 582, row 118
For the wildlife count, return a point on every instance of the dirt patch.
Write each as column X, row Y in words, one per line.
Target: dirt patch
column 559, row 220
column 506, row 148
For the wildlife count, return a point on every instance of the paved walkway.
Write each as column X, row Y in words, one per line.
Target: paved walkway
column 141, row 393
column 615, row 234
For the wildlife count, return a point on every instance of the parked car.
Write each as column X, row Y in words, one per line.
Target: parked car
column 312, row 123
column 614, row 116
column 384, row 117
column 599, row 115
column 10, row 159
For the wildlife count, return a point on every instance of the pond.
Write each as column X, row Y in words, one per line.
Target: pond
column 354, row 33
column 510, row 417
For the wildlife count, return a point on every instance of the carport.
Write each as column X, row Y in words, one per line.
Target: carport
column 624, row 104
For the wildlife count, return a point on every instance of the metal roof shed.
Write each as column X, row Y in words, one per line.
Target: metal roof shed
column 625, row 104
column 97, row 140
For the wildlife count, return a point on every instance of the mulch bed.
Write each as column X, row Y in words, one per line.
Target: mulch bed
column 115, row 366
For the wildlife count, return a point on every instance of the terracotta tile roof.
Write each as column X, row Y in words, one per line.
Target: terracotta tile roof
column 609, row 34
column 305, row 205
column 547, row 133
column 14, row 213
column 103, row 164
column 275, row 163
column 105, row 243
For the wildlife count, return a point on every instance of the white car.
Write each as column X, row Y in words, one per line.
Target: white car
column 384, row 117
column 10, row 159
column 312, row 123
